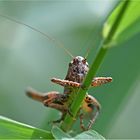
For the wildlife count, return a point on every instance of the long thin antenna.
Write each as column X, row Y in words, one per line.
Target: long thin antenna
column 42, row 33
column 89, row 48
column 93, row 30
column 86, row 55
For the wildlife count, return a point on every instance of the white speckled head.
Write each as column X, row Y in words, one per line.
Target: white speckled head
column 78, row 69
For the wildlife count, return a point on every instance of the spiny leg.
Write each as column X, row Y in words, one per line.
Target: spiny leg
column 82, row 122
column 61, row 107
column 95, row 106
column 97, row 81
column 51, row 99
column 33, row 94
column 91, row 108
column 58, row 103
column 65, row 82
column 93, row 120
column 49, row 96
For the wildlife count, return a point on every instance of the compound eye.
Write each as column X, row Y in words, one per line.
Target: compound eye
column 75, row 61
column 87, row 98
column 84, row 61
column 70, row 64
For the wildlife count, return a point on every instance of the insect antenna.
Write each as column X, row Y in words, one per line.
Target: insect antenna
column 93, row 43
column 87, row 53
column 92, row 33
column 58, row 43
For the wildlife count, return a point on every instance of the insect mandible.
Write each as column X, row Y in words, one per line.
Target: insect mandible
column 77, row 71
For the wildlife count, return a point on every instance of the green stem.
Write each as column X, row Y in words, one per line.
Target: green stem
column 68, row 121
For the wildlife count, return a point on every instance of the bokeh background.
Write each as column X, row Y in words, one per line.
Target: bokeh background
column 29, row 59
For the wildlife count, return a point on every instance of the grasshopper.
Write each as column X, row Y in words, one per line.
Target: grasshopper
column 77, row 71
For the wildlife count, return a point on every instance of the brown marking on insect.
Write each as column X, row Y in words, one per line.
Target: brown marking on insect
column 39, row 97
column 52, row 99
column 97, row 81
column 65, row 82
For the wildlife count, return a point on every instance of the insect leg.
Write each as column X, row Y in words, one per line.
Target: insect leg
column 89, row 110
column 65, row 82
column 81, row 122
column 56, row 105
column 93, row 120
column 51, row 99
column 49, row 96
column 97, row 81
column 95, row 106
column 60, row 104
column 59, row 107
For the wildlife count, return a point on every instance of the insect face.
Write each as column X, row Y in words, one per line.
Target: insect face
column 78, row 69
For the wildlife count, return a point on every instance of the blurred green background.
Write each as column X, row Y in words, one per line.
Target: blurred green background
column 29, row 59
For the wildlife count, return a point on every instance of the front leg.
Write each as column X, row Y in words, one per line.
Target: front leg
column 65, row 82
column 97, row 81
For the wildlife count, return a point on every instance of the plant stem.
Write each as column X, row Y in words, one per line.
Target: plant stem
column 102, row 50
column 66, row 125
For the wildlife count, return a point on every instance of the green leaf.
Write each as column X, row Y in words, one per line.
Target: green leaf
column 129, row 25
column 91, row 134
column 10, row 129
column 59, row 134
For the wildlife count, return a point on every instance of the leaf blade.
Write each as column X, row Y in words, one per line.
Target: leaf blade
column 59, row 134
column 13, row 129
column 129, row 25
column 91, row 134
